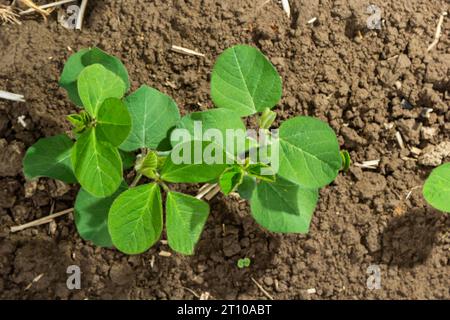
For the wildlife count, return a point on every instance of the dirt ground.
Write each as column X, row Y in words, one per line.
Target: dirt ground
column 368, row 84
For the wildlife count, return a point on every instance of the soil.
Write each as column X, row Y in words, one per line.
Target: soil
column 368, row 84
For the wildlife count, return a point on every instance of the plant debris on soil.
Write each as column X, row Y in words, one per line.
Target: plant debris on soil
column 335, row 68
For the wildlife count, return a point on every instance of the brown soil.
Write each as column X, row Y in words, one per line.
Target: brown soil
column 335, row 69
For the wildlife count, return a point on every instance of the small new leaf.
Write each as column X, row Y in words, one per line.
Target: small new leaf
column 244, row 263
column 346, row 160
column 230, row 179
column 148, row 165
column 267, row 118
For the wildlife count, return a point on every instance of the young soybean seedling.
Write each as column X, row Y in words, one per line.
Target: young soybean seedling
column 436, row 189
column 243, row 263
column 113, row 126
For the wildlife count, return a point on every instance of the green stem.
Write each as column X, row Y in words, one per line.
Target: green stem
column 136, row 180
column 164, row 185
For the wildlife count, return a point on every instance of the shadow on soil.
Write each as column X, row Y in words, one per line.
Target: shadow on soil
column 233, row 235
column 409, row 239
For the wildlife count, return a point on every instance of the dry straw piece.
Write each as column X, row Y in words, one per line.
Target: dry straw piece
column 30, row 4
column 7, row 15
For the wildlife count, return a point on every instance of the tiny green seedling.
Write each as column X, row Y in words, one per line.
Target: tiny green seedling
column 116, row 131
column 436, row 189
column 244, row 263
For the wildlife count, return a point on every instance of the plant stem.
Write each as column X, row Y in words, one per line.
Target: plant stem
column 136, row 180
column 163, row 185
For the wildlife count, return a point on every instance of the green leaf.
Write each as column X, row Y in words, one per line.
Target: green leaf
column 97, row 165
column 437, row 188
column 185, row 218
column 346, row 160
column 91, row 216
column 80, row 60
column 309, row 152
column 283, row 206
column 113, row 122
column 148, row 165
column 187, row 163
column 261, row 171
column 244, row 81
column 230, row 179
column 69, row 76
column 243, row 263
column 96, row 84
column 113, row 64
column 245, row 189
column 135, row 219
column 153, row 114
column 220, row 120
column 50, row 157
column 267, row 118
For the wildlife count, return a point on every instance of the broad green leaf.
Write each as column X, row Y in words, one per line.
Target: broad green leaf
column 135, row 219
column 261, row 171
column 245, row 189
column 309, row 152
column 97, row 165
column 50, row 157
column 96, row 84
column 437, row 188
column 91, row 216
column 194, row 161
column 80, row 60
column 283, row 206
column 69, row 76
column 153, row 114
column 215, row 123
column 113, row 64
column 185, row 218
column 113, row 122
column 244, row 81
column 230, row 179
